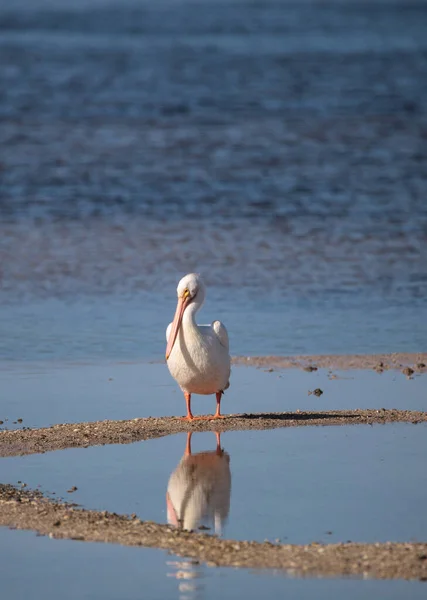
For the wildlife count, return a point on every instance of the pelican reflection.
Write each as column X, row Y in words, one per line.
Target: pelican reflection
column 199, row 489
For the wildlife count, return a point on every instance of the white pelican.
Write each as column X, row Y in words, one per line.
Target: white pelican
column 197, row 355
column 199, row 489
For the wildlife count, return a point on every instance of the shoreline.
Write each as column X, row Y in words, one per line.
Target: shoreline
column 19, row 442
column 377, row 362
column 30, row 510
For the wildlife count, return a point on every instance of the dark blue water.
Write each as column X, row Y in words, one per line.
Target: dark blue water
column 277, row 147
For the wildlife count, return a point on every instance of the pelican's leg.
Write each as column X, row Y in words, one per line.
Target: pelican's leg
column 218, row 414
column 188, row 445
column 189, row 416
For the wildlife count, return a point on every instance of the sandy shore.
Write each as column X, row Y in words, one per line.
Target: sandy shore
column 379, row 362
column 73, row 435
column 30, row 510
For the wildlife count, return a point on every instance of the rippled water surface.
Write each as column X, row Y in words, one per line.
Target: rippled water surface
column 278, row 147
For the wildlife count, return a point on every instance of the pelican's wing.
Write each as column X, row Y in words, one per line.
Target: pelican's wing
column 221, row 333
column 168, row 330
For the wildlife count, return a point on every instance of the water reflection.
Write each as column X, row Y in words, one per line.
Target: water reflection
column 187, row 571
column 198, row 494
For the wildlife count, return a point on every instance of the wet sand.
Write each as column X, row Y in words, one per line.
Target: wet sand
column 75, row 435
column 379, row 362
column 24, row 509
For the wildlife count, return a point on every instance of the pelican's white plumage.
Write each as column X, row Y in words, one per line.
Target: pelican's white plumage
column 197, row 355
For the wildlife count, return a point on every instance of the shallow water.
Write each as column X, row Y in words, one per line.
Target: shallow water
column 46, row 393
column 299, row 485
column 39, row 567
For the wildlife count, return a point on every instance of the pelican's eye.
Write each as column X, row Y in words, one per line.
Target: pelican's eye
column 186, row 294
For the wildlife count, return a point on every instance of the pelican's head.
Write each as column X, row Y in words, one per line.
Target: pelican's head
column 190, row 290
column 191, row 285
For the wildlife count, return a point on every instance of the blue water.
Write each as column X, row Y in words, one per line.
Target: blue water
column 299, row 485
column 133, row 327
column 40, row 567
column 276, row 147
column 44, row 394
